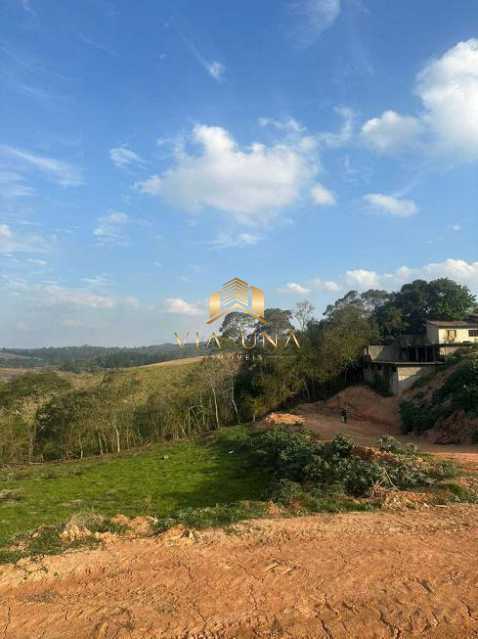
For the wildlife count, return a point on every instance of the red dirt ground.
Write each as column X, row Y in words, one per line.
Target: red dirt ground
column 363, row 575
column 382, row 575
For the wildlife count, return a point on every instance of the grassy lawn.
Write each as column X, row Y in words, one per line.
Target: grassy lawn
column 159, row 481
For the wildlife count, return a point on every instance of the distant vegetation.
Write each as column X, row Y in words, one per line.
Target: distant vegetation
column 90, row 358
column 46, row 416
column 60, row 415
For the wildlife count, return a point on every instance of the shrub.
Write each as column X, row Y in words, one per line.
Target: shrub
column 418, row 417
column 301, row 466
column 389, row 444
column 285, row 453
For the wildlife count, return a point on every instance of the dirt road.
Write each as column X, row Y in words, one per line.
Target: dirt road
column 368, row 575
column 371, row 417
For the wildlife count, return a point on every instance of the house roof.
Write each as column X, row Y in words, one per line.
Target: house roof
column 453, row 324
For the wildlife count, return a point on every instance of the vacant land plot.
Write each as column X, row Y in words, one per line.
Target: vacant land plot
column 158, row 480
column 372, row 575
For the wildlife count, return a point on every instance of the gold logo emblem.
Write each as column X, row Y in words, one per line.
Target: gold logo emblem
column 237, row 295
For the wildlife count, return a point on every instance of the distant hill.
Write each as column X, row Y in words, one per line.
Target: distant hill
column 84, row 358
column 52, row 414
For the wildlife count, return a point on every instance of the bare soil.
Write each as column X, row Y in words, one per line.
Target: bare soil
column 393, row 574
column 370, row 575
column 370, row 417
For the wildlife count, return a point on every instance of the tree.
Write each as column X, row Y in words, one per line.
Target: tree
column 343, row 339
column 419, row 301
column 278, row 322
column 235, row 324
column 352, row 298
column 304, row 313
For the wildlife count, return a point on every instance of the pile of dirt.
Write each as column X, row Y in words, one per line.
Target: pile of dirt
column 282, row 419
column 362, row 403
column 457, row 428
column 82, row 526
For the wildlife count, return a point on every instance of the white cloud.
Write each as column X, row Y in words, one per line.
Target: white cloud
column 456, row 227
column 362, row 279
column 293, row 287
column 448, row 89
column 322, row 196
column 289, row 125
column 345, row 134
column 55, row 294
column 97, row 281
column 151, row 186
column 215, row 69
column 14, row 242
column 455, row 269
column 399, row 207
column 58, row 171
column 13, row 185
column 123, row 157
column 242, row 240
column 314, row 17
column 250, row 184
column 5, row 232
column 179, row 306
column 37, row 262
column 327, row 286
column 391, row 132
column 110, row 229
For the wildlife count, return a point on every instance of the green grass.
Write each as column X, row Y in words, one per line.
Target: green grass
column 160, row 481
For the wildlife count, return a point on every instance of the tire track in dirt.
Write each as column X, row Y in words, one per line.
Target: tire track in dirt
column 372, row 575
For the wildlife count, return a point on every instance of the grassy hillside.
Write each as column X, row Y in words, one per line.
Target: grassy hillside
column 159, row 481
column 80, row 358
column 56, row 415
column 445, row 402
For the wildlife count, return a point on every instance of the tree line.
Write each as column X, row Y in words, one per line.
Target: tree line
column 54, row 416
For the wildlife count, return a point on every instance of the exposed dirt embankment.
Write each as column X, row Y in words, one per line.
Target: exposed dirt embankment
column 366, row 405
column 369, row 415
column 374, row 575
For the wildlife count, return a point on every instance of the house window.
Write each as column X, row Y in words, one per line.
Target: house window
column 473, row 332
column 451, row 335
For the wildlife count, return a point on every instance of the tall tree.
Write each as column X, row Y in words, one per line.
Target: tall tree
column 303, row 314
column 235, row 324
column 410, row 308
column 278, row 322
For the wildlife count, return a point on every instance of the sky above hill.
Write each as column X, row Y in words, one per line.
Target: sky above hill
column 151, row 151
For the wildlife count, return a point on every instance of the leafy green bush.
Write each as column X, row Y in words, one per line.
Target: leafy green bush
column 418, row 417
column 389, row 444
column 285, row 453
column 301, row 465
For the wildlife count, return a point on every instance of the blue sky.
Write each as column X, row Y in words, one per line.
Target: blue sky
column 151, row 151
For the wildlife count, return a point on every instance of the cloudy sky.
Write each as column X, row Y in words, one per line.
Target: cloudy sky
column 151, row 151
